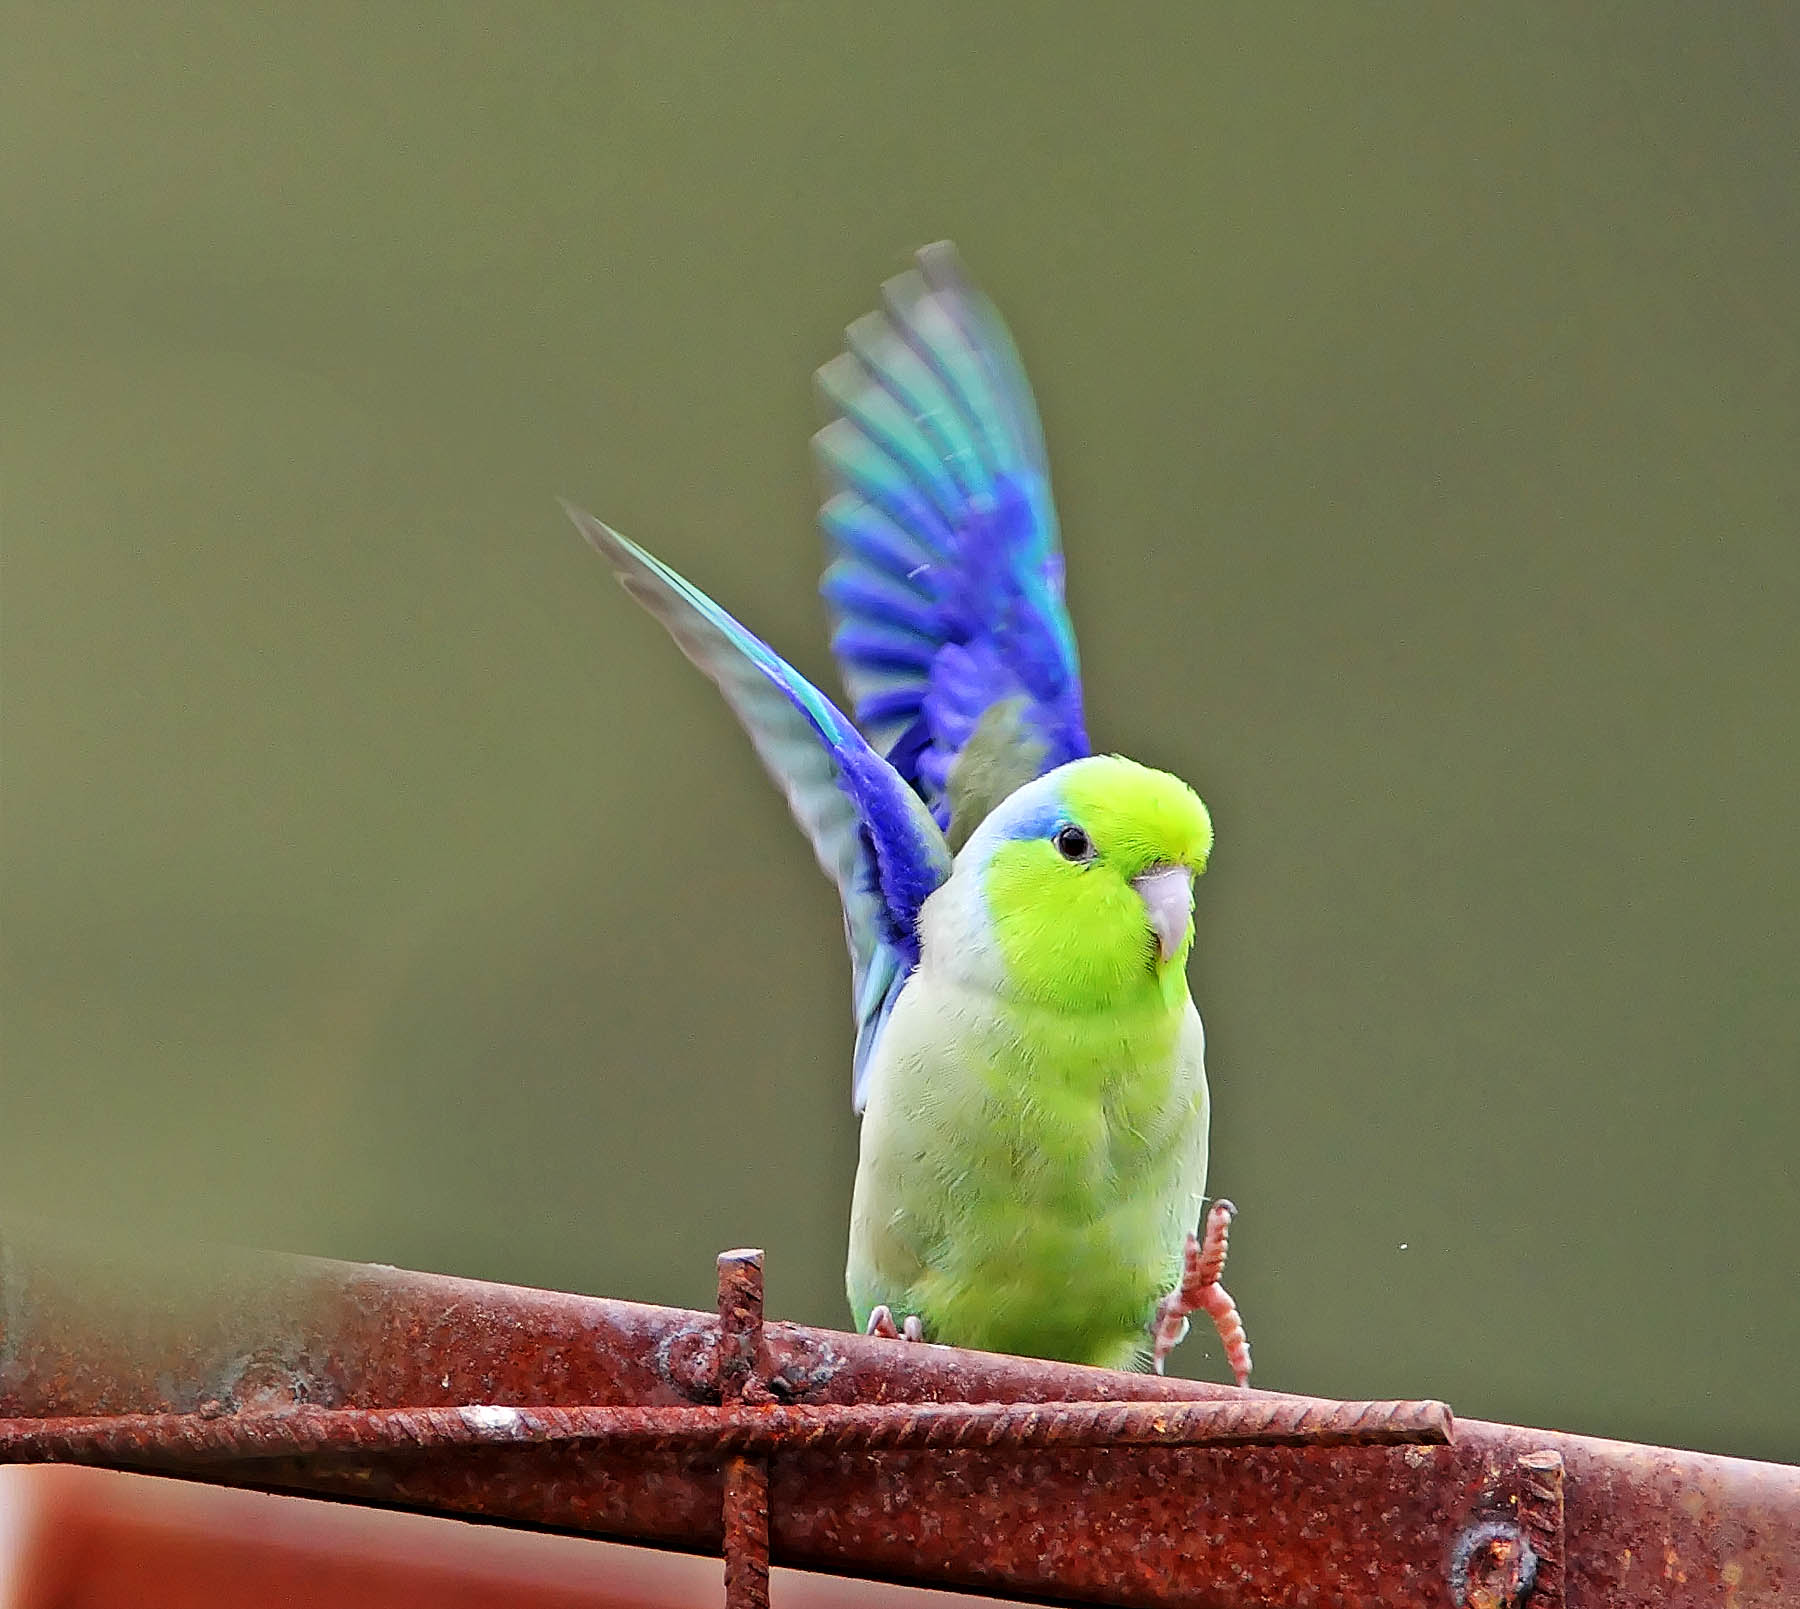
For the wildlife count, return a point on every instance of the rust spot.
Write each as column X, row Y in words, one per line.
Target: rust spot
column 1493, row 1567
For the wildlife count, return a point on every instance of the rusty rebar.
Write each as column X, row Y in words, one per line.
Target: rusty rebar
column 1543, row 1524
column 746, row 1503
column 732, row 1430
column 746, row 1544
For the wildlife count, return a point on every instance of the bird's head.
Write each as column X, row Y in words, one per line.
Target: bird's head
column 1082, row 882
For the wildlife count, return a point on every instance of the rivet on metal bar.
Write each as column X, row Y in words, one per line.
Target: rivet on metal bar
column 746, row 1474
column 1492, row 1567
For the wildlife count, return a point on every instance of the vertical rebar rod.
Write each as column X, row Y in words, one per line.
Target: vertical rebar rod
column 746, row 1479
column 1541, row 1518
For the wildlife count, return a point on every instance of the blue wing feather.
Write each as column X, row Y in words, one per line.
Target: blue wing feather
column 945, row 585
column 872, row 835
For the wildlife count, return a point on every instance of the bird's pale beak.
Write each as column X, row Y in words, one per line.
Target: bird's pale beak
column 1168, row 895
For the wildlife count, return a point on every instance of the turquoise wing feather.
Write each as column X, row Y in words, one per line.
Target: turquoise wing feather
column 873, row 836
column 945, row 584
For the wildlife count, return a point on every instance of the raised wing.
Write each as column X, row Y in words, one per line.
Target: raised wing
column 945, row 584
column 872, row 835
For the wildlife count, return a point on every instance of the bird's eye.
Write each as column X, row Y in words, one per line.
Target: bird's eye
column 1073, row 844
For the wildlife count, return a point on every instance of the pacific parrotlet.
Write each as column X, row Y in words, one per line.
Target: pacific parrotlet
column 1029, row 1063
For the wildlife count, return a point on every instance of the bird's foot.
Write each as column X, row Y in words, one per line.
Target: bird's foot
column 1199, row 1291
column 881, row 1322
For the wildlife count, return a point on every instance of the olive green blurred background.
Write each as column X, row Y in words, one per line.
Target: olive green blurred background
column 1423, row 398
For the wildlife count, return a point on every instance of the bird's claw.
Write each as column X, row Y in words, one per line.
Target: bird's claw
column 1199, row 1291
column 881, row 1322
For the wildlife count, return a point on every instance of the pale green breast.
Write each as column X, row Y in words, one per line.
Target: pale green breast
column 1028, row 1176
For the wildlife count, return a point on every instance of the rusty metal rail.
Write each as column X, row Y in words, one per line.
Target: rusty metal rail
column 728, row 1431
column 842, row 1453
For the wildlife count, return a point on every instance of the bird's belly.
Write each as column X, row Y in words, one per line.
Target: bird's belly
column 1049, row 1284
column 1041, row 1199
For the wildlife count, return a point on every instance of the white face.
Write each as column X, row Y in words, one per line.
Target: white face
column 956, row 939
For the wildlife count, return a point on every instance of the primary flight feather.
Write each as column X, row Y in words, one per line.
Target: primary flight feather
column 1019, row 912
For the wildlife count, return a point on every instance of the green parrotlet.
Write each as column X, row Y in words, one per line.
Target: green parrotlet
column 1029, row 1064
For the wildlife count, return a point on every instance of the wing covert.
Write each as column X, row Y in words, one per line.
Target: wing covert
column 872, row 835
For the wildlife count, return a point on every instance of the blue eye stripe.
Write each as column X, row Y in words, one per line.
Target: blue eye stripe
column 1039, row 823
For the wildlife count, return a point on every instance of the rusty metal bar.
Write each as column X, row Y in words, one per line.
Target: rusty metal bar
column 1542, row 1522
column 732, row 1430
column 1502, row 1515
column 746, row 1504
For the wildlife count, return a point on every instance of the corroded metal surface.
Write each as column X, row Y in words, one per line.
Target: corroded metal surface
column 746, row 1503
column 730, row 1430
column 1603, row 1523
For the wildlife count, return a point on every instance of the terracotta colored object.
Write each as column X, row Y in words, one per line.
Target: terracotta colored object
column 93, row 1539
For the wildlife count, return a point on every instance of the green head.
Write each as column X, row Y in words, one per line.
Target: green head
column 1086, row 877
